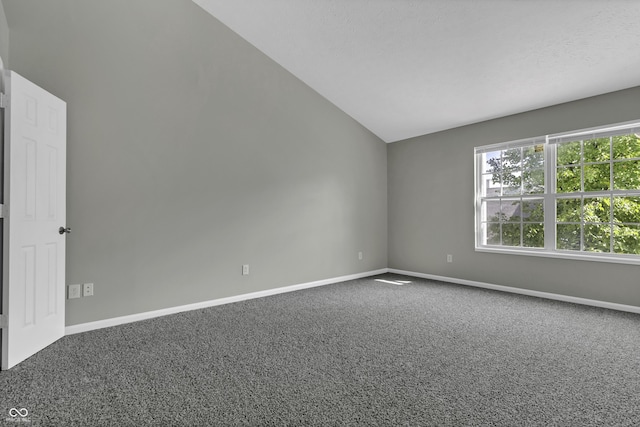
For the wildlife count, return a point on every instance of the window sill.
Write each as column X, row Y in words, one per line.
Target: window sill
column 616, row 259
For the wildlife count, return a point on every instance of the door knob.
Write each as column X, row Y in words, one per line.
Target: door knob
column 63, row 230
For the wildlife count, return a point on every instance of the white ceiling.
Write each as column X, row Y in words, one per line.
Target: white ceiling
column 404, row 68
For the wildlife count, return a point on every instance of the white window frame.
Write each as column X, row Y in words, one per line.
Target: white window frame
column 550, row 196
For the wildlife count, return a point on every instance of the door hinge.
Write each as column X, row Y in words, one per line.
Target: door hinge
column 2, row 211
column 3, row 321
column 4, row 100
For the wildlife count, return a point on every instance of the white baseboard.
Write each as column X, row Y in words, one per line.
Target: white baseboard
column 99, row 324
column 547, row 295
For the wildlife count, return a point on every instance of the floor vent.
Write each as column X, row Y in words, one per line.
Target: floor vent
column 394, row 282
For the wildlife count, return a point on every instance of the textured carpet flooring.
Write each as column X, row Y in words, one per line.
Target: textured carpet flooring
column 361, row 352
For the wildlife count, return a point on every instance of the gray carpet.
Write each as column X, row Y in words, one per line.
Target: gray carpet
column 355, row 353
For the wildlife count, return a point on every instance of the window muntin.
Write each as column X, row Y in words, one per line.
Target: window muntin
column 589, row 183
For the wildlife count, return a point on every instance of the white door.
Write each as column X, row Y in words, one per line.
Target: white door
column 33, row 281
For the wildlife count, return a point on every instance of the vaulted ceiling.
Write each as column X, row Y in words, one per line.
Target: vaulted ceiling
column 404, row 68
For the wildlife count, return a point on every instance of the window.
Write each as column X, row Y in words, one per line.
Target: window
column 575, row 195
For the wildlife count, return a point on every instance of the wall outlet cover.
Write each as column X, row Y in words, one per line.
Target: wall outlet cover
column 73, row 291
column 87, row 289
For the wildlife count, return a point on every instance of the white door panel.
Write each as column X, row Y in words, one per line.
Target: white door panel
column 34, row 193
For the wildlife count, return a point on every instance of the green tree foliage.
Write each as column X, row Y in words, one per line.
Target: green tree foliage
column 607, row 223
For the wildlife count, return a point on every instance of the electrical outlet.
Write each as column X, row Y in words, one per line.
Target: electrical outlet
column 360, row 256
column 73, row 291
column 245, row 269
column 449, row 258
column 87, row 290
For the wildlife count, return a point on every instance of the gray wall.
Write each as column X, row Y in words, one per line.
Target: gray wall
column 190, row 153
column 431, row 205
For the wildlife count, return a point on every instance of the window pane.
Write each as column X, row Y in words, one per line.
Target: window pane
column 491, row 210
column 626, row 239
column 597, row 237
column 533, row 210
column 626, row 209
column 488, row 187
column 596, row 177
column 596, row 209
column 511, row 183
column 533, row 235
column 511, row 159
column 596, row 150
column 568, row 153
column 511, row 210
column 626, row 175
column 533, row 157
column 568, row 180
column 568, row 210
column 491, row 162
column 568, row 237
column 511, row 234
column 493, row 233
column 626, row 146
column 533, row 181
